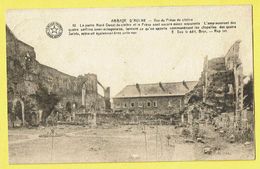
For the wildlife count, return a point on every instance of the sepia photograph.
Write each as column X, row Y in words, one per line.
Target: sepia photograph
column 130, row 84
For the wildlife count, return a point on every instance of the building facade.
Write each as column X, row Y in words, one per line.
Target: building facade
column 156, row 98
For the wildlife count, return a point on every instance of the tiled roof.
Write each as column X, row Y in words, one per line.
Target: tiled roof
column 157, row 89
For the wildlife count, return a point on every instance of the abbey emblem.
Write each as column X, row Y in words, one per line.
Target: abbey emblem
column 54, row 30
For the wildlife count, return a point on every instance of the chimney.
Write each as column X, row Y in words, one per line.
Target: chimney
column 138, row 88
column 161, row 86
column 185, row 84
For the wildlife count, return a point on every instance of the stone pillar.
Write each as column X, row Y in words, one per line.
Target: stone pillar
column 190, row 118
column 91, row 89
column 73, row 115
column 40, row 116
column 182, row 118
column 238, row 73
column 107, row 98
column 94, row 120
column 23, row 118
column 83, row 95
column 204, row 94
column 180, row 103
column 205, row 78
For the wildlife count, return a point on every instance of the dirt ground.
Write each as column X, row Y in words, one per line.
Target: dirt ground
column 126, row 143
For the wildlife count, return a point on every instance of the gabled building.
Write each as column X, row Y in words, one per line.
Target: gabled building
column 155, row 98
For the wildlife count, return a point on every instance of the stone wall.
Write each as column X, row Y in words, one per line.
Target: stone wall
column 150, row 105
column 220, row 87
column 25, row 75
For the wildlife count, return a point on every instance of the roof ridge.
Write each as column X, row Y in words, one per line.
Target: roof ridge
column 162, row 83
column 154, row 89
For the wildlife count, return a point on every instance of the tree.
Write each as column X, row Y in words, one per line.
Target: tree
column 46, row 101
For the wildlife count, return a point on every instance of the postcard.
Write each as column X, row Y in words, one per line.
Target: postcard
column 130, row 84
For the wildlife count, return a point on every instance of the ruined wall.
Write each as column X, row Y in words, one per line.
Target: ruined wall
column 220, row 86
column 57, row 82
column 22, row 68
column 233, row 63
column 232, row 58
column 217, row 85
column 25, row 74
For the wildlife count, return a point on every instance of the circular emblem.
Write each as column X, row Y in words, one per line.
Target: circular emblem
column 54, row 30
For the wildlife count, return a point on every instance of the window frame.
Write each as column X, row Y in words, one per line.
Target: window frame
column 149, row 104
column 125, row 105
column 155, row 103
column 132, row 104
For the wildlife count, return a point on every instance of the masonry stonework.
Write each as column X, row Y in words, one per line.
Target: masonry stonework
column 25, row 75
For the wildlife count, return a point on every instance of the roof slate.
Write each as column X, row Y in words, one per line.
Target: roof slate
column 157, row 89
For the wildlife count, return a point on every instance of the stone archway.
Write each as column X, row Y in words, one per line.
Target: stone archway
column 68, row 106
column 15, row 103
column 193, row 99
column 34, row 119
column 74, row 105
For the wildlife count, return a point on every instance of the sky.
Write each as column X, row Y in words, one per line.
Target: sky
column 147, row 57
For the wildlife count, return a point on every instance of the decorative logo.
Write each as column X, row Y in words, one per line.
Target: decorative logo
column 54, row 30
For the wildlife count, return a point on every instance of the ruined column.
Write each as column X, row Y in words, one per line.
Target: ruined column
column 107, row 98
column 23, row 118
column 233, row 63
column 40, row 116
column 83, row 94
column 91, row 89
column 182, row 118
column 205, row 71
column 94, row 119
column 190, row 118
column 238, row 73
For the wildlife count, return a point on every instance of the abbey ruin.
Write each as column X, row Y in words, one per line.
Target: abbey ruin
column 219, row 92
column 37, row 92
column 26, row 76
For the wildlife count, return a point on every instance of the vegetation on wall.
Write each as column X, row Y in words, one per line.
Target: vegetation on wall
column 46, row 101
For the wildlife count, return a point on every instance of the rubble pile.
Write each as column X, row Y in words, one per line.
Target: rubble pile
column 217, row 99
column 214, row 90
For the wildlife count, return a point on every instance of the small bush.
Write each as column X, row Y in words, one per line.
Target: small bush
column 185, row 132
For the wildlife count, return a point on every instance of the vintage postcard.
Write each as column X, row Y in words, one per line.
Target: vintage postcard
column 130, row 84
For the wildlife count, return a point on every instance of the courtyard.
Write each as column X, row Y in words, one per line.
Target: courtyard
column 119, row 143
